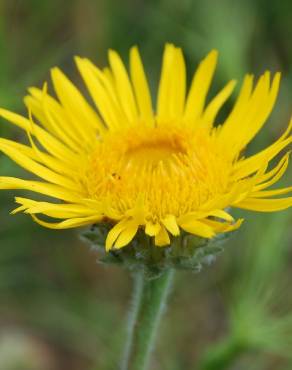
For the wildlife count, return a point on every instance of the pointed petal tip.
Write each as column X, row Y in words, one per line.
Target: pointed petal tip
column 55, row 70
column 213, row 54
column 134, row 49
column 112, row 54
column 78, row 59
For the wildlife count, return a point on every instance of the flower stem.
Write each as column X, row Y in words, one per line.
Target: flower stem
column 148, row 305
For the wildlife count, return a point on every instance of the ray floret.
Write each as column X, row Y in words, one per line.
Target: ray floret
column 163, row 170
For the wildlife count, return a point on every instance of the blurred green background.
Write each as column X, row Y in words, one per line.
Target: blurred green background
column 58, row 308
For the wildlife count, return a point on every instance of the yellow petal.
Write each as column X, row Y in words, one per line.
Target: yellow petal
column 36, row 168
column 69, row 223
column 114, row 233
column 265, row 205
column 246, row 167
column 178, row 78
column 239, row 110
column 217, row 102
column 79, row 113
column 196, row 227
column 162, row 238
column 171, row 225
column 49, row 161
column 102, row 92
column 253, row 116
column 271, row 177
column 200, row 86
column 44, row 188
column 271, row 193
column 54, row 210
column 51, row 144
column 127, row 235
column 151, row 228
column 53, row 118
column 123, row 86
column 141, row 87
column 223, row 227
column 221, row 214
column 164, row 89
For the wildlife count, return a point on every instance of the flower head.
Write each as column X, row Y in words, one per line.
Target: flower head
column 161, row 170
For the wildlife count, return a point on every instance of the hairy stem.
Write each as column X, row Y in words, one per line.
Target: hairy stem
column 147, row 307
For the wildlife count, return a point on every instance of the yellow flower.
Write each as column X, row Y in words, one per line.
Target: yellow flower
column 162, row 170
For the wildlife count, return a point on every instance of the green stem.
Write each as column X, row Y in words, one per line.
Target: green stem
column 147, row 307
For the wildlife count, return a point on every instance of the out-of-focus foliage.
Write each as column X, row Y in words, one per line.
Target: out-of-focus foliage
column 58, row 308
